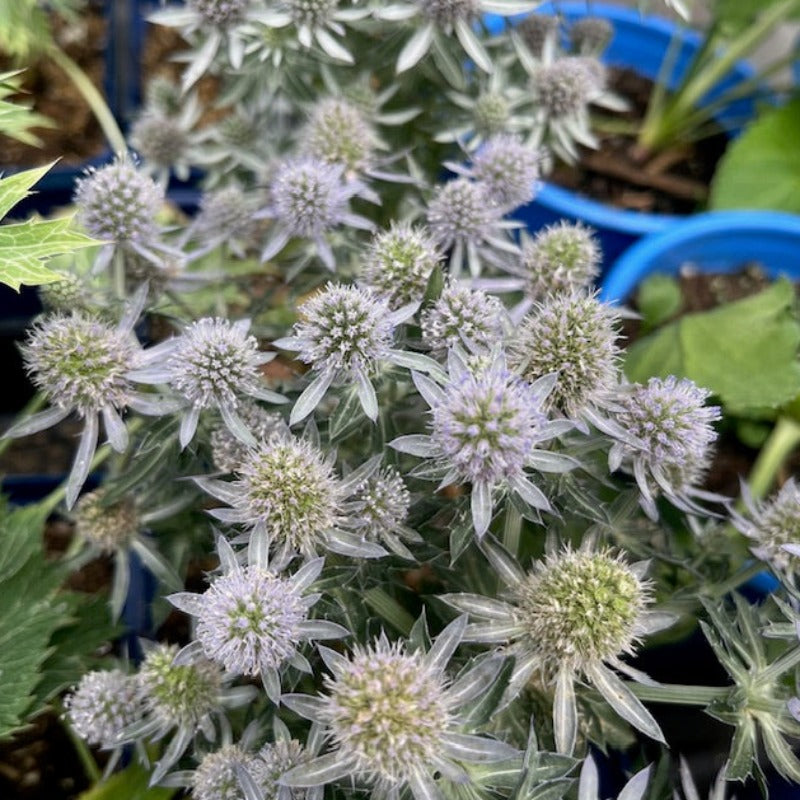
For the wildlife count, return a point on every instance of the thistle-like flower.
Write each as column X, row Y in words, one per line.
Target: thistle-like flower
column 220, row 12
column 590, row 35
column 485, row 428
column 180, row 697
column 102, row 705
column 106, row 526
column 774, row 527
column 251, row 620
column 227, row 451
column 399, row 263
column 571, row 617
column 462, row 316
column 392, row 717
column 573, row 336
column 211, row 365
column 536, row 30
column 80, row 365
column 670, row 436
column 379, row 510
column 463, row 218
column 309, row 198
column 286, row 493
column 278, row 758
column 119, row 202
column 217, row 775
column 345, row 333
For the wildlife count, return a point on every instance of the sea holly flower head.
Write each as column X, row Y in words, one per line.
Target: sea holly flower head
column 227, row 451
column 211, row 365
column 391, row 716
column 774, row 527
column 309, row 198
column 590, row 35
column 462, row 316
column 217, row 775
column 277, row 759
column 536, row 30
column 669, row 443
column 107, row 526
column 573, row 336
column 485, row 428
column 102, row 705
column 508, row 169
column 572, row 616
column 562, row 88
column 344, row 333
column 287, row 493
column 252, row 619
column 399, row 263
column 220, row 12
column 119, row 202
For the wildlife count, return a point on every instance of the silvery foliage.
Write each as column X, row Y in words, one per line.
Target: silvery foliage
column 404, row 368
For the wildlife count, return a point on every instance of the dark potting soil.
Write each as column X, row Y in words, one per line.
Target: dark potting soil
column 617, row 173
column 75, row 135
column 702, row 291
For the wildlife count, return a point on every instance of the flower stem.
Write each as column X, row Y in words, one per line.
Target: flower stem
column 785, row 437
column 734, row 581
column 93, row 98
column 34, row 404
column 679, row 694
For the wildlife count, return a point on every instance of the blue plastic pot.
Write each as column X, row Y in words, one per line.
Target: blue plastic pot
column 718, row 241
column 641, row 43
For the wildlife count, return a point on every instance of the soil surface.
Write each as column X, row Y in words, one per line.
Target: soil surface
column 617, row 173
column 75, row 135
column 702, row 292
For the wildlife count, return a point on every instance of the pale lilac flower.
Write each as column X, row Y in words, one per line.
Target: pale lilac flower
column 574, row 337
column 538, row 31
column 669, row 443
column 252, row 620
column 217, row 777
column 309, row 198
column 210, row 366
column 227, row 451
column 345, row 333
column 462, row 316
column 392, row 719
column 80, row 364
column 591, row 35
column 102, row 705
column 463, row 218
column 399, row 262
column 287, row 494
column 485, row 429
column 568, row 619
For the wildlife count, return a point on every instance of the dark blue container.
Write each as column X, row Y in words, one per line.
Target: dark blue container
column 640, row 43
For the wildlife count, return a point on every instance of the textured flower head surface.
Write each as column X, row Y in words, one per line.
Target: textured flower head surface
column 278, row 758
column 212, row 365
column 591, row 35
column 102, row 705
column 227, row 451
column 538, row 29
column 573, row 335
column 217, row 778
column 309, row 198
column 563, row 87
column 447, row 13
column 338, row 133
column 159, row 139
column 572, row 616
column 344, row 332
column 226, row 212
column 462, row 316
column 119, row 202
column 399, row 263
column 485, row 426
column 671, row 434
column 392, row 719
column 71, row 293
column 178, row 695
column 772, row 525
column 251, row 619
column 564, row 257
column 508, row 169
column 108, row 526
column 220, row 12
column 492, row 112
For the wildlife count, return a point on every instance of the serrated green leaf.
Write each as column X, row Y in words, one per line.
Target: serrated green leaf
column 760, row 169
column 20, row 538
column 15, row 188
column 27, row 245
column 745, row 352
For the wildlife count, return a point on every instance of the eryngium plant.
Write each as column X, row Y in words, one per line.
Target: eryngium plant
column 456, row 437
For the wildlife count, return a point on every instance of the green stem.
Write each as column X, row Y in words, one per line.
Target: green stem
column 49, row 503
column 779, row 666
column 118, row 273
column 679, row 694
column 93, row 97
column 785, row 437
column 735, row 581
column 84, row 754
column 34, row 404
